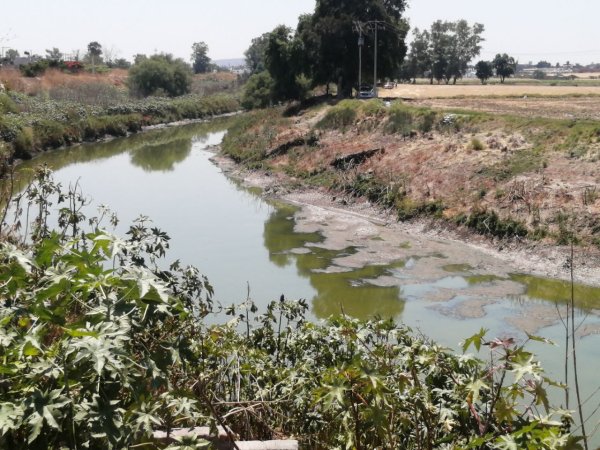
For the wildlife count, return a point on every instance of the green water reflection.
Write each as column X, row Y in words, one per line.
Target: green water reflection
column 339, row 290
column 586, row 297
column 155, row 150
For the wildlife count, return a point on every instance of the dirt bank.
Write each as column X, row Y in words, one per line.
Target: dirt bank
column 381, row 238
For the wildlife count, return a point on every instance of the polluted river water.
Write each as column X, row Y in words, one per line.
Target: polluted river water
column 339, row 262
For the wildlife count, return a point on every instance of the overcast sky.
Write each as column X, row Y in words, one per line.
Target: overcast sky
column 529, row 30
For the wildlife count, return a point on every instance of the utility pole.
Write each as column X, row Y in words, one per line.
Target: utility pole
column 375, row 65
column 372, row 25
column 358, row 26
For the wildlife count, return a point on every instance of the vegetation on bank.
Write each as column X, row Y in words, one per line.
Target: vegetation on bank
column 517, row 147
column 102, row 344
column 32, row 124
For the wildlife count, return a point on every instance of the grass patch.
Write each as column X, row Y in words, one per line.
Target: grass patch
column 251, row 135
column 340, row 116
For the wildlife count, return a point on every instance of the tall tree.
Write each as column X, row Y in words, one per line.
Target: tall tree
column 281, row 64
column 419, row 59
column 94, row 51
column 505, row 66
column 200, row 59
column 255, row 54
column 453, row 45
column 330, row 41
column 465, row 46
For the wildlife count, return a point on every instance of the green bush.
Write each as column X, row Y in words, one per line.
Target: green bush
column 7, row 105
column 122, row 346
column 23, row 144
column 49, row 134
column 400, row 120
column 373, row 108
column 340, row 116
column 258, row 92
column 34, row 69
column 427, row 121
column 160, row 74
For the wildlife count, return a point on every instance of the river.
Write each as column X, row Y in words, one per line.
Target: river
column 240, row 240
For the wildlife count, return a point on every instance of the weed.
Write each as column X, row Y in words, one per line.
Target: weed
column 476, row 144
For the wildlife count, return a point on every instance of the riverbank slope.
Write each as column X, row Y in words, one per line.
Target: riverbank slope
column 520, row 188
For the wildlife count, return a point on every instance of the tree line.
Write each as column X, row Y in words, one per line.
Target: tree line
column 324, row 49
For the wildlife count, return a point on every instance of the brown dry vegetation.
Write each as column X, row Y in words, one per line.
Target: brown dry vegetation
column 53, row 79
column 420, row 91
column 580, row 107
column 541, row 173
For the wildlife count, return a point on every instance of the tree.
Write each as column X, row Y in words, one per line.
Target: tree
column 200, row 59
column 258, row 92
column 484, row 71
column 280, row 63
column 452, row 45
column 465, row 46
column 159, row 75
column 328, row 39
column 543, row 65
column 54, row 56
column 505, row 66
column 120, row 63
column 419, row 60
column 10, row 55
column 94, row 51
column 255, row 54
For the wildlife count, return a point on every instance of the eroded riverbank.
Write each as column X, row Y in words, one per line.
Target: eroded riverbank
column 456, row 273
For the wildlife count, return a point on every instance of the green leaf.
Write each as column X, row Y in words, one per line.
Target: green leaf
column 76, row 333
column 532, row 337
column 475, row 340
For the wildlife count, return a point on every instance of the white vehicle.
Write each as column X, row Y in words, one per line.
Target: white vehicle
column 366, row 91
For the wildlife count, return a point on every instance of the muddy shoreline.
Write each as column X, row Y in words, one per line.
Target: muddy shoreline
column 351, row 220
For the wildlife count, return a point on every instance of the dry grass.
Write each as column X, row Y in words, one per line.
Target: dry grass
column 56, row 79
column 424, row 91
column 580, row 107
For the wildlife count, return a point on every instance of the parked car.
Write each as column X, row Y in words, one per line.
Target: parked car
column 389, row 85
column 366, row 91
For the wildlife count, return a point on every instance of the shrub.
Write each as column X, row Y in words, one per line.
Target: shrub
column 160, row 74
column 122, row 346
column 7, row 105
column 340, row 116
column 258, row 92
column 400, row 120
column 23, row 144
column 373, row 107
column 49, row 134
column 34, row 69
column 427, row 121
column 476, row 144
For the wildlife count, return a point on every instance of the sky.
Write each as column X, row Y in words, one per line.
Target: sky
column 529, row 30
